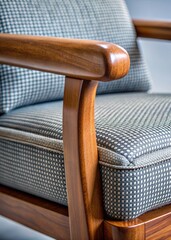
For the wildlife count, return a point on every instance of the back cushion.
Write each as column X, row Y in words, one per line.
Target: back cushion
column 106, row 20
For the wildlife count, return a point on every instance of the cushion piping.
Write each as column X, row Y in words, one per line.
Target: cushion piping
column 56, row 145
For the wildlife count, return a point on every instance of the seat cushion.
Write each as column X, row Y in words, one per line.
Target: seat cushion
column 106, row 20
column 134, row 145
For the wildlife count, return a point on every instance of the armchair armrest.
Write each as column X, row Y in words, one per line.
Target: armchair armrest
column 153, row 29
column 83, row 59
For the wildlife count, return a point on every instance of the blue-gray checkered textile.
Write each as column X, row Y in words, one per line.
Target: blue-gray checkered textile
column 134, row 147
column 106, row 20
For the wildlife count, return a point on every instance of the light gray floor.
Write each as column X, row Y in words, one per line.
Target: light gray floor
column 10, row 230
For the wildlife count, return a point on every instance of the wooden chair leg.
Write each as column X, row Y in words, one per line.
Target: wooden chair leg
column 81, row 161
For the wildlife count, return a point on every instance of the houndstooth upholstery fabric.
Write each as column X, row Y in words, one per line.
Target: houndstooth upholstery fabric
column 134, row 146
column 106, row 20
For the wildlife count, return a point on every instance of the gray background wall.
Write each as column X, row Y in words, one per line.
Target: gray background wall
column 157, row 53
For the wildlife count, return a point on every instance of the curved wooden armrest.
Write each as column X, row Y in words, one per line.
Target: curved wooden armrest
column 153, row 29
column 83, row 59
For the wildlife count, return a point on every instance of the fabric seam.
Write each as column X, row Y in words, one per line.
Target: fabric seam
column 56, row 145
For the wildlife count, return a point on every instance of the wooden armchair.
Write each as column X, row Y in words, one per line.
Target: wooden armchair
column 84, row 63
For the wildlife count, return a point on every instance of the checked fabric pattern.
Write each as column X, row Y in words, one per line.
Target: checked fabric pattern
column 106, row 20
column 134, row 145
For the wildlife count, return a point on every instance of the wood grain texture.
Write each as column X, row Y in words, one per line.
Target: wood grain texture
column 155, row 224
column 158, row 223
column 117, row 232
column 153, row 29
column 83, row 59
column 159, row 229
column 41, row 215
column 81, row 161
column 134, row 233
column 125, row 230
column 52, row 219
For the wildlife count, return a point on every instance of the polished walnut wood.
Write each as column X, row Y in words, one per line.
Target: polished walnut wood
column 39, row 214
column 158, row 229
column 122, row 230
column 81, row 160
column 153, row 29
column 52, row 219
column 83, row 59
column 157, row 223
column 152, row 225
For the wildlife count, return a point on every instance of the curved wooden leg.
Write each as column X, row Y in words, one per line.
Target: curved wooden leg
column 81, row 161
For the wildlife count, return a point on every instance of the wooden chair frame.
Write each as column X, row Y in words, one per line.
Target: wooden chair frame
column 84, row 63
